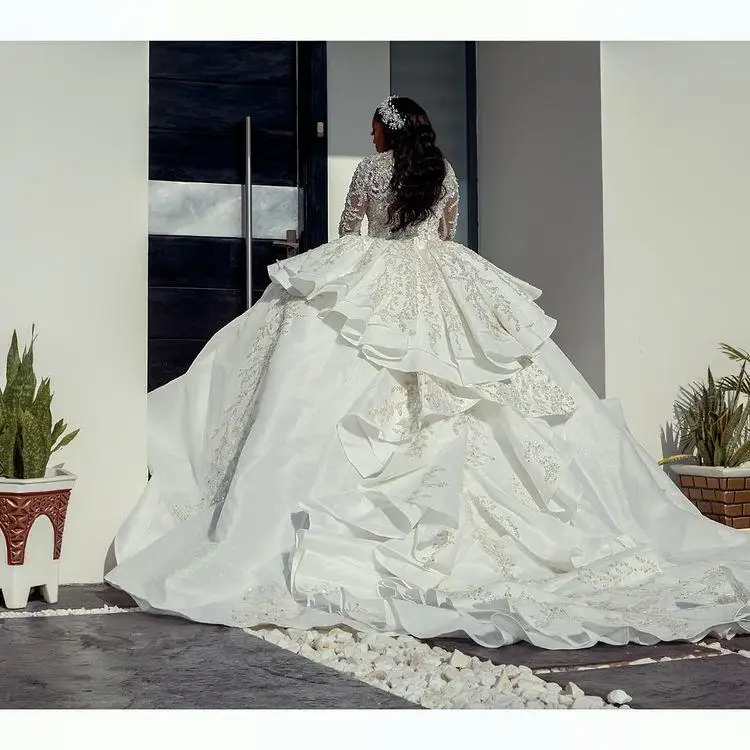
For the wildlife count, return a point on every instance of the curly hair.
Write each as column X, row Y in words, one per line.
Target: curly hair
column 418, row 164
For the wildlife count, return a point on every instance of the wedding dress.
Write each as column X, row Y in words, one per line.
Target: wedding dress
column 390, row 440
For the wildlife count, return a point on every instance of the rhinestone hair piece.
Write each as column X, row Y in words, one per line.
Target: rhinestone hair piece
column 390, row 116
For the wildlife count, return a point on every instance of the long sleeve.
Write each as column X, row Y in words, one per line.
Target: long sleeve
column 356, row 202
column 449, row 219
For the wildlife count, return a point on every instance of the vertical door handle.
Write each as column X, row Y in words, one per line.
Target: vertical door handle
column 247, row 200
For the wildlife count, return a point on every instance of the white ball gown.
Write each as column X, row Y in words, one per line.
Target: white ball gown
column 390, row 440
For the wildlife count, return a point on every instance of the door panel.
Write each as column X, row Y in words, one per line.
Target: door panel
column 203, row 209
column 217, row 107
column 201, row 95
column 229, row 62
column 193, row 313
column 216, row 158
column 196, row 263
column 169, row 358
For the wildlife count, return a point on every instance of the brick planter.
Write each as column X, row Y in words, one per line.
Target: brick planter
column 723, row 495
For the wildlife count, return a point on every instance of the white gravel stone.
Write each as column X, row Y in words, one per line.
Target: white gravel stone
column 385, row 662
column 533, row 694
column 573, row 690
column 534, row 704
column 582, row 702
column 523, row 684
column 618, row 698
column 277, row 637
column 105, row 610
column 504, row 685
column 459, row 660
column 450, row 673
column 487, row 679
column 430, row 677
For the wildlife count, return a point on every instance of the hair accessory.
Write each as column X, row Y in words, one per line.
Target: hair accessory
column 390, row 116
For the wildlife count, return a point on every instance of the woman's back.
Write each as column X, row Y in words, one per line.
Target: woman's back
column 370, row 195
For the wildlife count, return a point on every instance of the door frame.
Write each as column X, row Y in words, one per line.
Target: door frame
column 312, row 143
column 472, row 183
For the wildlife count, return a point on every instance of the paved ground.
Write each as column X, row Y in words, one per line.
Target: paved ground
column 713, row 682
column 135, row 660
column 709, row 679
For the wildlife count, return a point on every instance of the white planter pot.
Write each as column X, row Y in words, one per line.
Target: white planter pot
column 32, row 521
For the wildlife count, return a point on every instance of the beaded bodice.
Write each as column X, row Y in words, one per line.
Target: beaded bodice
column 370, row 194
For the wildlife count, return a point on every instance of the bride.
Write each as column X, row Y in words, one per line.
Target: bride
column 390, row 440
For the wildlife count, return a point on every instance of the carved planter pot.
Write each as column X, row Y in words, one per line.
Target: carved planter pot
column 32, row 521
column 719, row 493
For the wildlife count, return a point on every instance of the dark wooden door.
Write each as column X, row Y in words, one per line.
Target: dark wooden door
column 201, row 96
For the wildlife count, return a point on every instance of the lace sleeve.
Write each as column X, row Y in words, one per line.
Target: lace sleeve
column 356, row 202
column 449, row 219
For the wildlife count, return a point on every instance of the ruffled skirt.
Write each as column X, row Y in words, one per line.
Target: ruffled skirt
column 390, row 440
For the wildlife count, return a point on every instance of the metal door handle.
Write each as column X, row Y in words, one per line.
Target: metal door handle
column 247, row 194
column 291, row 243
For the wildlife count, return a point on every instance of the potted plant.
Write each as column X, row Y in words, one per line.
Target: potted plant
column 33, row 497
column 712, row 418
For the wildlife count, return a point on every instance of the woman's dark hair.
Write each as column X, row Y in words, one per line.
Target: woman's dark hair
column 418, row 164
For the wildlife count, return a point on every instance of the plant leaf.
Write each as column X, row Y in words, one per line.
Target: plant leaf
column 741, row 456
column 58, row 430
column 9, row 438
column 33, row 446
column 66, row 440
column 734, row 382
column 674, row 459
column 735, row 354
column 13, row 359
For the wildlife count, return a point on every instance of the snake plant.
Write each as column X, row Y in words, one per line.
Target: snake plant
column 27, row 436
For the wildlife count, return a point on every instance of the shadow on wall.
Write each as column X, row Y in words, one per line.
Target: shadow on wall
column 359, row 78
column 671, row 441
column 671, row 445
column 435, row 75
column 540, row 183
column 110, row 561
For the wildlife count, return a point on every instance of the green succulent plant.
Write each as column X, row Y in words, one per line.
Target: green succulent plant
column 713, row 417
column 27, row 436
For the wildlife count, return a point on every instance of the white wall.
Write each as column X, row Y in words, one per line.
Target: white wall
column 359, row 76
column 540, row 190
column 73, row 252
column 676, row 162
